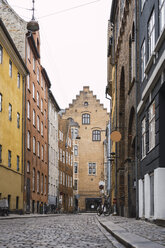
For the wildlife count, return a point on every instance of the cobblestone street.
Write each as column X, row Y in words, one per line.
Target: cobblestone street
column 59, row 231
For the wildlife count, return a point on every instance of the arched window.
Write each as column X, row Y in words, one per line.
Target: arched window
column 86, row 119
column 96, row 135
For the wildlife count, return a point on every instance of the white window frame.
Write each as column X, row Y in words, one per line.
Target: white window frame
column 75, row 167
column 38, row 149
column 86, row 119
column 10, row 112
column 38, row 75
column 38, row 99
column 10, row 68
column 33, row 91
column 96, row 135
column 38, row 123
column 161, row 15
column 142, row 4
column 34, row 118
column 151, row 34
column 152, row 126
column 143, row 130
column 18, row 120
column 34, row 145
column 92, row 168
column 28, row 110
column 28, row 82
column 18, row 80
column 75, row 150
column 28, row 140
column 42, row 128
column 42, row 153
column 41, row 105
column 143, row 60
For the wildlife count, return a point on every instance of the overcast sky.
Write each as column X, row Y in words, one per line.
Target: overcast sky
column 73, row 44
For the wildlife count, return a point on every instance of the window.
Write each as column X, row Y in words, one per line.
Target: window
column 10, row 112
column 38, row 149
column 0, row 153
column 38, row 99
column 75, row 184
column 38, row 123
column 28, row 140
column 1, row 54
column 34, row 118
column 151, row 33
column 92, row 168
column 18, row 80
column 38, row 75
column 152, row 126
column 41, row 81
column 42, row 153
column 63, row 157
column 75, row 167
column 10, row 68
column 60, row 154
column 75, row 133
column 45, row 152
column 33, row 179
column 34, row 145
column 143, row 137
column 28, row 51
column 34, row 64
column 28, row 82
column 66, row 157
column 17, row 163
column 42, row 183
column 143, row 60
column 161, row 15
column 0, row 102
column 9, row 158
column 18, row 120
column 42, row 128
column 96, row 135
column 142, row 4
column 86, row 119
column 45, row 185
column 85, row 103
column 45, row 117
column 28, row 110
column 33, row 91
column 76, row 150
column 41, row 105
column 38, row 182
column 28, row 167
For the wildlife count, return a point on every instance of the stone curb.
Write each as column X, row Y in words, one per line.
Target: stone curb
column 126, row 238
column 10, row 217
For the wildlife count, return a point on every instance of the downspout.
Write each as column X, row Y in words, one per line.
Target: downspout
column 23, row 145
column 136, row 116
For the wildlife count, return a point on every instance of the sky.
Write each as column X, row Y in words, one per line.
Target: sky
column 73, row 36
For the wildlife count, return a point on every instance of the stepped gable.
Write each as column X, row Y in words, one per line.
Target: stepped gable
column 85, row 89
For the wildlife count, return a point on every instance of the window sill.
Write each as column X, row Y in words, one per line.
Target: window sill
column 149, row 63
column 160, row 41
column 143, row 158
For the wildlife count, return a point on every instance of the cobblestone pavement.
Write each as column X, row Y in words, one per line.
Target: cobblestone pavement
column 59, row 231
column 142, row 228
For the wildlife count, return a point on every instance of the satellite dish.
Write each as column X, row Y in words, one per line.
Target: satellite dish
column 116, row 136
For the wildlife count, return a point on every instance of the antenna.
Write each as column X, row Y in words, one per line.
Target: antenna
column 33, row 25
column 33, row 11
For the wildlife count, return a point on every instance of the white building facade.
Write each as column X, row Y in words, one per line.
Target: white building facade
column 53, row 185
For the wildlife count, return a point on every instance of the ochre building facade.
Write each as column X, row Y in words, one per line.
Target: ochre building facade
column 91, row 117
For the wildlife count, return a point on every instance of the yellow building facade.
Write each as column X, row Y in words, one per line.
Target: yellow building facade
column 12, row 78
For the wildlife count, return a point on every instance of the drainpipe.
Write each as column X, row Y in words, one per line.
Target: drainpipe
column 23, row 124
column 115, row 196
column 136, row 116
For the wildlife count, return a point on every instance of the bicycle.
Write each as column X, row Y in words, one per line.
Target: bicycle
column 104, row 209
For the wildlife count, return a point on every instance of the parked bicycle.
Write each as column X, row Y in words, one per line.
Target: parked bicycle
column 104, row 209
